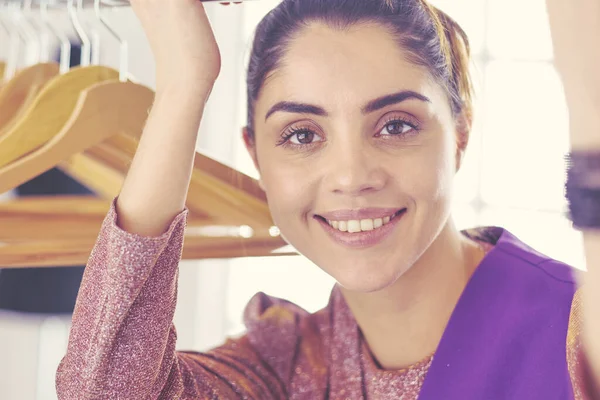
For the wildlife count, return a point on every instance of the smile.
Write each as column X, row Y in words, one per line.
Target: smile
column 362, row 228
column 362, row 225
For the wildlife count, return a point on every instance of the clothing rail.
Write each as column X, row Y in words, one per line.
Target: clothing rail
column 90, row 3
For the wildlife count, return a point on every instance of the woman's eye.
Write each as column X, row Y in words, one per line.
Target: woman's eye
column 304, row 137
column 396, row 128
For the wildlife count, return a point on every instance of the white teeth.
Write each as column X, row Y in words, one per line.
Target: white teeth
column 363, row 225
column 366, row 225
column 353, row 226
column 343, row 226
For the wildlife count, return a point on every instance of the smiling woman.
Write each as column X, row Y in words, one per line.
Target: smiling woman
column 361, row 125
column 359, row 115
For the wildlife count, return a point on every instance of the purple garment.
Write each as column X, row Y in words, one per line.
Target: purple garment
column 507, row 336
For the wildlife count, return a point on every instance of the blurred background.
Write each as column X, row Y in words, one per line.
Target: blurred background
column 513, row 177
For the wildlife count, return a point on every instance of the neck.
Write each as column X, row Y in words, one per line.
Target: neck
column 403, row 323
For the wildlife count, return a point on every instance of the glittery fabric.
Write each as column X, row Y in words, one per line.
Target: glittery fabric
column 403, row 385
column 578, row 368
column 122, row 342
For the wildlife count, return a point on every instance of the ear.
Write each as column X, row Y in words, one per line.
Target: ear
column 250, row 143
column 464, row 122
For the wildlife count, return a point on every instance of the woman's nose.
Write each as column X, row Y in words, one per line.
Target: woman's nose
column 354, row 170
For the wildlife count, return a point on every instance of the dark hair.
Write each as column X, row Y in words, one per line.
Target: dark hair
column 431, row 38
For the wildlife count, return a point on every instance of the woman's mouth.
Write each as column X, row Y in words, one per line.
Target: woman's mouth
column 352, row 232
column 362, row 225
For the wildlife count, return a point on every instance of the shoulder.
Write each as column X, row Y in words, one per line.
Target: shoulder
column 278, row 330
column 517, row 273
column 514, row 255
column 264, row 310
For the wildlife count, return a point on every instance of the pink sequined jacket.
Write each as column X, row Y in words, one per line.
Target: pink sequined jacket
column 122, row 342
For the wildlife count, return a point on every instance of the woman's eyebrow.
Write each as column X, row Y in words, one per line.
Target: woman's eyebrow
column 296, row 108
column 373, row 105
column 391, row 99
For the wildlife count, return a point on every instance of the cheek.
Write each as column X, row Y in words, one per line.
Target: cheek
column 429, row 174
column 290, row 190
column 443, row 171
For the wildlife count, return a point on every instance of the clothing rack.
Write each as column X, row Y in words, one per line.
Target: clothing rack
column 87, row 122
column 85, row 3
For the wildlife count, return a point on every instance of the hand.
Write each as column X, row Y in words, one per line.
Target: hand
column 181, row 40
column 575, row 26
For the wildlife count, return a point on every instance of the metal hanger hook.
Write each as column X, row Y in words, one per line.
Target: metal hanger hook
column 123, row 46
column 26, row 32
column 86, row 56
column 65, row 43
column 9, row 37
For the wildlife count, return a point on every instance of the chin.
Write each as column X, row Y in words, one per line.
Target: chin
column 366, row 279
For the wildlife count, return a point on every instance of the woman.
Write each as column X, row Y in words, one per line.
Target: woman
column 359, row 115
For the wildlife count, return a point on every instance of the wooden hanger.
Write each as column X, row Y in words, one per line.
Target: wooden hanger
column 26, row 240
column 75, row 252
column 49, row 111
column 102, row 110
column 217, row 194
column 98, row 176
column 18, row 92
column 26, row 219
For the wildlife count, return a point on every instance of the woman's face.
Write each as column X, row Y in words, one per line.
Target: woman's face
column 357, row 150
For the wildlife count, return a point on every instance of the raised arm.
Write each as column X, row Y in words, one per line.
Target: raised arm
column 187, row 64
column 122, row 340
column 575, row 30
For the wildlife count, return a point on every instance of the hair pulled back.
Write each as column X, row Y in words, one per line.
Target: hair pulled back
column 431, row 38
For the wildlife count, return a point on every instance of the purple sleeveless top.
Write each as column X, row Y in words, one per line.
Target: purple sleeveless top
column 507, row 336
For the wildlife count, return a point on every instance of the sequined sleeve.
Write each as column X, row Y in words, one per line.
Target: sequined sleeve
column 122, row 340
column 578, row 368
